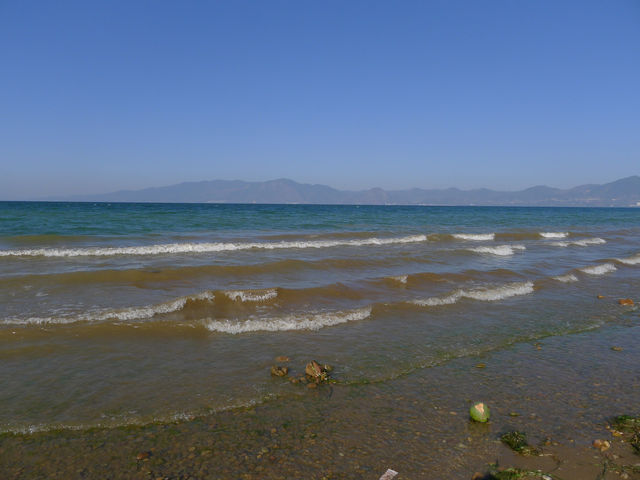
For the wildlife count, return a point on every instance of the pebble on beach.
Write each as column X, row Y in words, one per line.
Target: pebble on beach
column 601, row 445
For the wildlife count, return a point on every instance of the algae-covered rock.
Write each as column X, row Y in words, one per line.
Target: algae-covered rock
column 479, row 412
column 626, row 423
column 517, row 441
column 315, row 372
column 629, row 427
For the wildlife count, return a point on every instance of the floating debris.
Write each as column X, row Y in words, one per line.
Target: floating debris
column 388, row 475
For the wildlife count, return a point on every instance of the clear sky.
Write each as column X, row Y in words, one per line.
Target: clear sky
column 97, row 96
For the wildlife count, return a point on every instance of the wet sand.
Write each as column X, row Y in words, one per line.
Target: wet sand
column 561, row 391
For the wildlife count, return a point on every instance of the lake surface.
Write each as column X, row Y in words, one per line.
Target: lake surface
column 119, row 314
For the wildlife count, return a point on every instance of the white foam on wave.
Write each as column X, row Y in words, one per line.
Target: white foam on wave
column 485, row 295
column 568, row 278
column 635, row 260
column 173, row 248
column 314, row 321
column 252, row 296
column 401, row 278
column 474, row 236
column 599, row 269
column 126, row 314
column 581, row 243
column 554, row 234
column 502, row 250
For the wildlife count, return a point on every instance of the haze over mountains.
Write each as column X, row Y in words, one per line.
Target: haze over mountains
column 621, row 193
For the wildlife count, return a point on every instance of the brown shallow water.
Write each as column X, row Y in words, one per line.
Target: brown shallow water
column 136, row 340
column 562, row 388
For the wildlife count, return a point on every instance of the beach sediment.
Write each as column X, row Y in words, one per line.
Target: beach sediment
column 562, row 391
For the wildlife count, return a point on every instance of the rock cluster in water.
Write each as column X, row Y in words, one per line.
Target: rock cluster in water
column 314, row 372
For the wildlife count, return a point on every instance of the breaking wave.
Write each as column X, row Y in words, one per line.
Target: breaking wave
column 485, row 295
column 554, row 234
column 252, row 295
column 502, row 250
column 206, row 247
column 127, row 314
column 568, row 278
column 581, row 243
column 635, row 260
column 474, row 236
column 314, row 321
column 599, row 269
column 401, row 278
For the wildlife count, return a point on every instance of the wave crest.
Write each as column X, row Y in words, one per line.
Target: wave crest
column 126, row 314
column 485, row 295
column 206, row 247
column 554, row 234
column 474, row 236
column 635, row 260
column 599, row 269
column 581, row 243
column 314, row 321
column 502, row 250
column 252, row 295
column 568, row 278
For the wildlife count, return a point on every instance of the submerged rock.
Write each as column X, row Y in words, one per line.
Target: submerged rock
column 143, row 455
column 282, row 359
column 479, row 412
column 517, row 441
column 316, row 372
column 626, row 302
column 278, row 371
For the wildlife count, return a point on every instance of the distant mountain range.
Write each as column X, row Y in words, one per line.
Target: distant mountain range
column 621, row 193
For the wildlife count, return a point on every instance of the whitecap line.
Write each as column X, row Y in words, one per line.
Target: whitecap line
column 314, row 321
column 580, row 243
column 474, row 236
column 599, row 269
column 206, row 247
column 501, row 250
column 485, row 295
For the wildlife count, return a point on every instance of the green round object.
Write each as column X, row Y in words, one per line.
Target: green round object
column 479, row 412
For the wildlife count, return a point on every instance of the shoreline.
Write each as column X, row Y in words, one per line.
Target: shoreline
column 416, row 425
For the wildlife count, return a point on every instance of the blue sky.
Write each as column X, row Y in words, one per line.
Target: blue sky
column 101, row 96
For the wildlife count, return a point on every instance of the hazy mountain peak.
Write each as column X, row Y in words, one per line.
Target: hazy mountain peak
column 624, row 192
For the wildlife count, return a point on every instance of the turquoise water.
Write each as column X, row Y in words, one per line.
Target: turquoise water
column 104, row 305
column 125, row 219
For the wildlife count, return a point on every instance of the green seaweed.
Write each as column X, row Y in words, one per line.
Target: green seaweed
column 517, row 441
column 513, row 473
column 626, row 423
column 629, row 424
column 635, row 442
